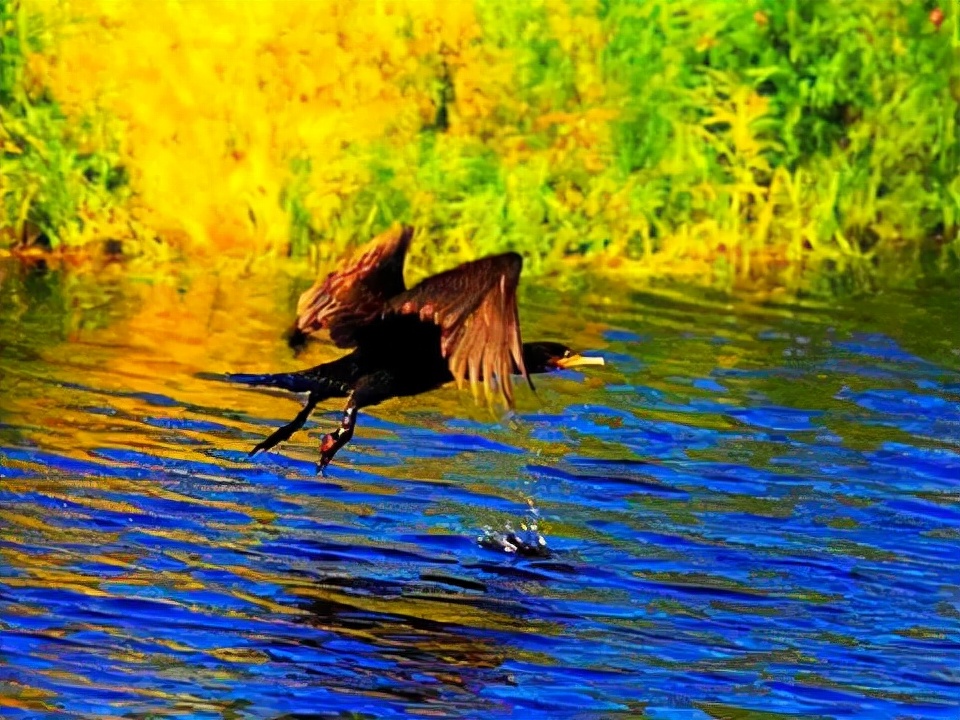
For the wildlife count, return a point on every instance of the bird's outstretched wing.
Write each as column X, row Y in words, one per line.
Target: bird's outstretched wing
column 475, row 306
column 351, row 298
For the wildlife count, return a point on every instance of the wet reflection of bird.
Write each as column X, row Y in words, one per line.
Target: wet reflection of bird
column 459, row 325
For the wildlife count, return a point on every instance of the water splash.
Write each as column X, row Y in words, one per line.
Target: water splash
column 525, row 542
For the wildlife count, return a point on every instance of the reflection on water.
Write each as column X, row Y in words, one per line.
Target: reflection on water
column 752, row 508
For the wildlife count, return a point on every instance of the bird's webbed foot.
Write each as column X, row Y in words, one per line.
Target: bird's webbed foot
column 332, row 442
column 368, row 390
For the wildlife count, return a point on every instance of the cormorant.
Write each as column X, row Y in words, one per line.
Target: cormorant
column 459, row 325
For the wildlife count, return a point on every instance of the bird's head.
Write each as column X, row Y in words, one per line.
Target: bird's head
column 540, row 357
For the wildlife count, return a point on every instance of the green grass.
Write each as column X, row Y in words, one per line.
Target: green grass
column 807, row 144
column 51, row 188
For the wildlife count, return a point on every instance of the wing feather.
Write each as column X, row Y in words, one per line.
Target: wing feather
column 353, row 297
column 475, row 306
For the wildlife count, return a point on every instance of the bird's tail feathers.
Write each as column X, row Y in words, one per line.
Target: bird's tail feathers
column 294, row 382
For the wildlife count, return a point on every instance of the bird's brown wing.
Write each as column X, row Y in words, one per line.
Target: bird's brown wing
column 351, row 298
column 475, row 306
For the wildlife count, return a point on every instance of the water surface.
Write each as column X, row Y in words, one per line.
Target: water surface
column 752, row 509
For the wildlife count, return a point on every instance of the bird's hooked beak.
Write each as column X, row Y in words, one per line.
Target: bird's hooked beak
column 573, row 361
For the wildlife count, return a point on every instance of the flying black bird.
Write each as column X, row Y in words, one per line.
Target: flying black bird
column 459, row 325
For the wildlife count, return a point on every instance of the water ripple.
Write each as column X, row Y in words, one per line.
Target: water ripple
column 752, row 509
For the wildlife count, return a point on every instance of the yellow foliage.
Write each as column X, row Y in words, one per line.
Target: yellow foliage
column 217, row 98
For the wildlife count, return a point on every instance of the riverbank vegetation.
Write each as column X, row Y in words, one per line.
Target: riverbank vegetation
column 806, row 144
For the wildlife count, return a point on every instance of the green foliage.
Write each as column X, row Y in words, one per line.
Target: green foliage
column 811, row 144
column 51, row 190
column 793, row 141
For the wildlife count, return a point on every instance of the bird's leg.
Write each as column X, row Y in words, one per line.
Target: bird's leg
column 291, row 427
column 368, row 390
column 341, row 436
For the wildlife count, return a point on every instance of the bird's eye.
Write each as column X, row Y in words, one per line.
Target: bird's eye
column 566, row 353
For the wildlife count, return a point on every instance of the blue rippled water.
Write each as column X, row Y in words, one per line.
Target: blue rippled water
column 751, row 512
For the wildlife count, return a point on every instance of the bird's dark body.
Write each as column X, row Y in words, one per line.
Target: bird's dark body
column 399, row 357
column 459, row 325
column 402, row 360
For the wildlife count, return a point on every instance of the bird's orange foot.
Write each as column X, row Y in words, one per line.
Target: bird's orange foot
column 328, row 448
column 341, row 436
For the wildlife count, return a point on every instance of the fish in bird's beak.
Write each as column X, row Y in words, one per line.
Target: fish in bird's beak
column 573, row 361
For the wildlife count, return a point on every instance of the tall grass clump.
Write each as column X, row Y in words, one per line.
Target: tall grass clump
column 61, row 180
column 802, row 143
